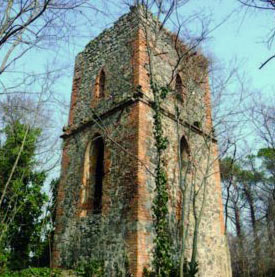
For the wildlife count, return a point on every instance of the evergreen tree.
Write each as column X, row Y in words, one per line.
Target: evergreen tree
column 249, row 191
column 22, row 200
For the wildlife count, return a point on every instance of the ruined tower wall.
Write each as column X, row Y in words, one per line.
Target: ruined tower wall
column 74, row 233
column 114, row 117
column 112, row 51
column 188, row 115
column 213, row 255
column 124, row 118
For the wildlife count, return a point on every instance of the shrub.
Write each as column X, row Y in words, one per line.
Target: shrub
column 33, row 272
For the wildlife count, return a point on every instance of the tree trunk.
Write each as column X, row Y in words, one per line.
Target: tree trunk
column 250, row 200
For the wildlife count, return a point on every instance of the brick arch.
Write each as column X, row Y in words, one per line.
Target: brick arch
column 185, row 159
column 178, row 86
column 91, row 191
column 100, row 84
column 184, row 149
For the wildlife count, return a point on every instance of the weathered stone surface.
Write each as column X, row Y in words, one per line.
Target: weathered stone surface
column 68, row 273
column 124, row 119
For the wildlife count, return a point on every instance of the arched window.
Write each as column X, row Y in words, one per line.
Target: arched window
column 184, row 154
column 102, row 80
column 93, row 175
column 99, row 90
column 197, row 124
column 184, row 157
column 97, row 170
column 178, row 85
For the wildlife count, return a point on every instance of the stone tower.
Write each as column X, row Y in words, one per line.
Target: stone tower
column 106, row 191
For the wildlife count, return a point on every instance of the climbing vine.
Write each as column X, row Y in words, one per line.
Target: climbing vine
column 162, row 261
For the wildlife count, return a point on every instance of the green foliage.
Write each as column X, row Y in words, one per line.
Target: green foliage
column 228, row 168
column 52, row 207
column 93, row 268
column 41, row 253
column 267, row 155
column 189, row 270
column 96, row 268
column 33, row 272
column 249, row 187
column 3, row 261
column 21, row 209
column 162, row 261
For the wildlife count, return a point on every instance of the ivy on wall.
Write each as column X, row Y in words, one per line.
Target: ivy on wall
column 162, row 259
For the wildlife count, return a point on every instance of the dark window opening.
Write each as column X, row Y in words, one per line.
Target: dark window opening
column 178, row 87
column 184, row 152
column 102, row 80
column 197, row 124
column 98, row 175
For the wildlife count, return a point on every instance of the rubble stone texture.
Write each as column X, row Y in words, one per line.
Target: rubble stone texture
column 112, row 101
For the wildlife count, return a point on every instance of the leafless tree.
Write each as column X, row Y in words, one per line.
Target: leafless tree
column 196, row 164
column 264, row 6
column 30, row 24
column 263, row 120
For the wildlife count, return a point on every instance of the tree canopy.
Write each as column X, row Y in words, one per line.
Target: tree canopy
column 22, row 199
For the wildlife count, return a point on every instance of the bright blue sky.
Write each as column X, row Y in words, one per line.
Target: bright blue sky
column 240, row 38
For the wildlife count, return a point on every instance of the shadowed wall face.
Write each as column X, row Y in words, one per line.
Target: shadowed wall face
column 98, row 172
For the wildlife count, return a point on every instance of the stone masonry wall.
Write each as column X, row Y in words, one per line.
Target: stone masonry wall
column 124, row 118
column 213, row 256
column 192, row 106
column 115, row 120
column 113, row 52
column 73, row 240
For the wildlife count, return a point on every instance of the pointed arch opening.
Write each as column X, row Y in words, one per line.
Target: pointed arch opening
column 184, row 154
column 184, row 166
column 97, row 170
column 99, row 90
column 93, row 177
column 178, row 84
column 102, row 83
